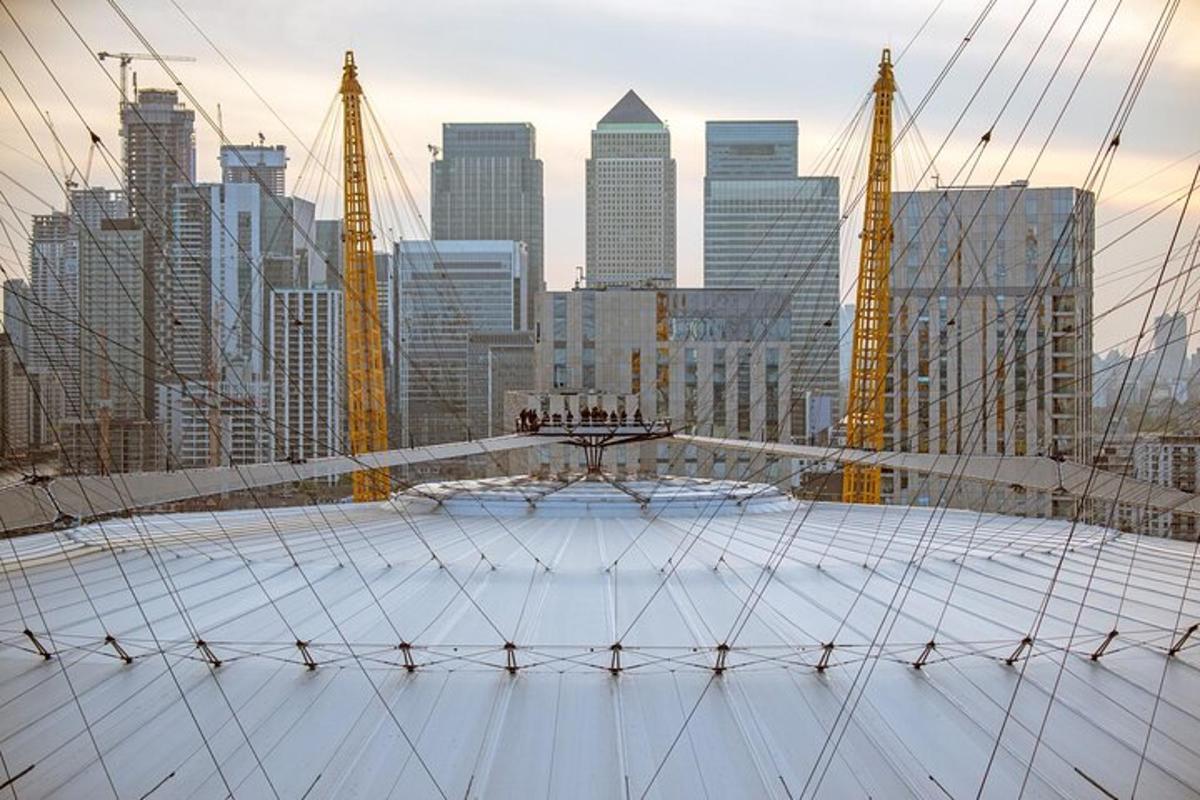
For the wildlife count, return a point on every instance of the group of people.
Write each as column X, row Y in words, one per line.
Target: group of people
column 529, row 421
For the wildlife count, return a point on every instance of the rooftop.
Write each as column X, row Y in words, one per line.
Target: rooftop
column 513, row 638
column 630, row 109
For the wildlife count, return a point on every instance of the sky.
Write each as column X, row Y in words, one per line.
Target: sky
column 561, row 64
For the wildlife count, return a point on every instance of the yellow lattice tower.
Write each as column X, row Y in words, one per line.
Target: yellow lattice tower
column 869, row 362
column 364, row 345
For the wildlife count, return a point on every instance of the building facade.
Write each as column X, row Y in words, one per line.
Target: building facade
column 1167, row 460
column 159, row 151
column 487, row 185
column 120, row 356
column 307, row 388
column 716, row 362
column 991, row 347
column 261, row 164
column 631, row 199
column 766, row 228
column 447, row 291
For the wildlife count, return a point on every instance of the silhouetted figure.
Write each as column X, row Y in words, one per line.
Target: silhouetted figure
column 637, row 417
column 624, row 417
column 585, row 416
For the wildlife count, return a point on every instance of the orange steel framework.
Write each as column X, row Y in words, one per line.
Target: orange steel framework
column 869, row 360
column 364, row 346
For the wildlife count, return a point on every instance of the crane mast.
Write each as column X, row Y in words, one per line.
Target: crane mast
column 364, row 346
column 869, row 359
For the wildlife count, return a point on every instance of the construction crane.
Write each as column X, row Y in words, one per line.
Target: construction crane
column 364, row 342
column 124, row 59
column 869, row 360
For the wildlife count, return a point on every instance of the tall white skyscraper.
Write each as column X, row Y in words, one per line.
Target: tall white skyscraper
column 631, row 199
column 766, row 228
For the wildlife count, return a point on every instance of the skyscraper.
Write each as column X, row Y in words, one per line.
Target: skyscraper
column 232, row 244
column 262, row 164
column 118, row 355
column 991, row 298
column 159, row 149
column 631, row 198
column 766, row 228
column 448, row 290
column 487, row 185
column 17, row 313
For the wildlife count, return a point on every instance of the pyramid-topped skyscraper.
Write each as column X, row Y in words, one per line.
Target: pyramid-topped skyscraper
column 631, row 198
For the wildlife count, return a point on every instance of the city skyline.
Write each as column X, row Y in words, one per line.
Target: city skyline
column 415, row 95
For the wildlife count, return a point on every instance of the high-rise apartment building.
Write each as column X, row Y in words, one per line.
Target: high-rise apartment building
column 448, row 290
column 487, row 185
column 159, row 150
column 17, row 314
column 631, row 199
column 991, row 297
column 261, row 164
column 766, row 228
column 120, row 358
column 307, row 373
column 14, row 403
column 232, row 244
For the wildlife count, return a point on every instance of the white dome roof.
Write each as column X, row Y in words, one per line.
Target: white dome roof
column 671, row 572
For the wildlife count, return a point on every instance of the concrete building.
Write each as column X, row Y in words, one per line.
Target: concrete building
column 15, row 403
column 327, row 270
column 17, row 316
column 487, row 185
column 1167, row 460
column 260, row 164
column 118, row 431
column 631, row 199
column 159, row 151
column 498, row 362
column 992, row 333
column 447, row 291
column 232, row 244
column 307, row 389
column 716, row 362
column 766, row 228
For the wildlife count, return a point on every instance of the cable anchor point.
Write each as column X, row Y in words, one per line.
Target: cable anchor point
column 302, row 646
column 923, row 659
column 406, row 650
column 207, row 652
column 42, row 651
column 826, row 652
column 1027, row 642
column 109, row 640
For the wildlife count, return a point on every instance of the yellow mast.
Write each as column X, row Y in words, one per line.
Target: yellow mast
column 869, row 361
column 364, row 346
